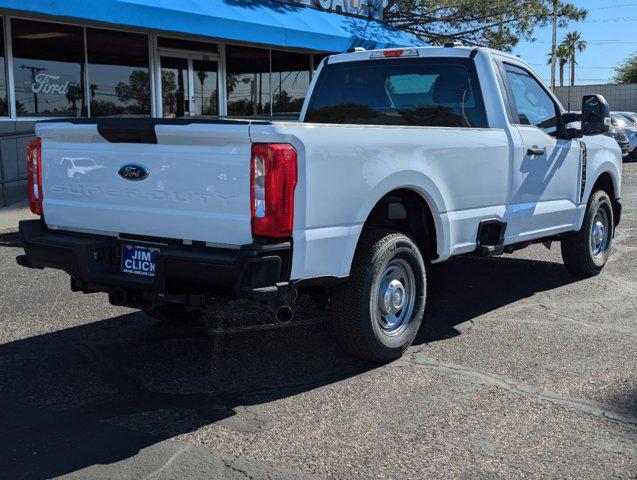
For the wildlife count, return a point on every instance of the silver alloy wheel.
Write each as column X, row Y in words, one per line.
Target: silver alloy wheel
column 600, row 232
column 395, row 296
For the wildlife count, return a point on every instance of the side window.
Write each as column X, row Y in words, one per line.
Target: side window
column 534, row 106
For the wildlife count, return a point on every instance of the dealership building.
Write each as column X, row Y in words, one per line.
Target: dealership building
column 167, row 59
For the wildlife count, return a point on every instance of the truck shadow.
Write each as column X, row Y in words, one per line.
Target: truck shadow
column 98, row 393
column 466, row 288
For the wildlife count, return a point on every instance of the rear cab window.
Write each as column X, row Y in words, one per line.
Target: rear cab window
column 428, row 92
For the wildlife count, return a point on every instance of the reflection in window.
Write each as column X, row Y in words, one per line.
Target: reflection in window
column 174, row 87
column 248, row 81
column 417, row 92
column 48, row 67
column 534, row 105
column 205, row 87
column 290, row 81
column 118, row 73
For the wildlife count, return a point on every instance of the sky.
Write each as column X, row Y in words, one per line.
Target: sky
column 610, row 31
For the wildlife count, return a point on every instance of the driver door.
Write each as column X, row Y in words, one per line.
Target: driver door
column 545, row 174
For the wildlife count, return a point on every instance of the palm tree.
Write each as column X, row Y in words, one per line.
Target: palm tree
column 573, row 43
column 562, row 57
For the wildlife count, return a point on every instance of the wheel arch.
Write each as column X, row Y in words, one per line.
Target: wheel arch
column 411, row 210
column 608, row 182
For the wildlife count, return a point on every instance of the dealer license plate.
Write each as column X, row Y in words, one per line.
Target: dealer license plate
column 139, row 260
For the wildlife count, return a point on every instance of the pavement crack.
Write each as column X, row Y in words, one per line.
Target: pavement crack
column 476, row 376
column 230, row 464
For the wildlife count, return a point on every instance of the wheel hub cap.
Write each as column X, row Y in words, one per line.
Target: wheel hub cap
column 600, row 233
column 395, row 296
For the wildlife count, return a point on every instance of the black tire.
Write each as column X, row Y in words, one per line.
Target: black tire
column 357, row 319
column 172, row 314
column 578, row 251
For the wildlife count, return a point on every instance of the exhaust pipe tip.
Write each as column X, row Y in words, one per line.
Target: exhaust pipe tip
column 284, row 314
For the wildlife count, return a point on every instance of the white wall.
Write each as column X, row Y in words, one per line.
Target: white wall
column 622, row 98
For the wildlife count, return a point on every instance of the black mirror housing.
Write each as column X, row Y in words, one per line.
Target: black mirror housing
column 595, row 115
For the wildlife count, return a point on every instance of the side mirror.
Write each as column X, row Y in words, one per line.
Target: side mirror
column 595, row 115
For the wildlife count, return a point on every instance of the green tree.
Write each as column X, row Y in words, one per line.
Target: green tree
column 627, row 71
column 573, row 43
column 499, row 24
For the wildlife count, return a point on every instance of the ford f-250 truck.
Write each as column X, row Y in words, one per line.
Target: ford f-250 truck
column 401, row 157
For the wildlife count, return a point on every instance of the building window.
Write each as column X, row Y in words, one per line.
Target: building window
column 248, row 81
column 205, row 87
column 48, row 68
column 118, row 73
column 290, row 82
column 4, row 105
column 174, row 87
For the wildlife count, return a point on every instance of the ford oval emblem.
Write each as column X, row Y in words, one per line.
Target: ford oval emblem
column 133, row 171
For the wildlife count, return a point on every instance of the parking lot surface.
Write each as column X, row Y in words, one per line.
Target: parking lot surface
column 520, row 370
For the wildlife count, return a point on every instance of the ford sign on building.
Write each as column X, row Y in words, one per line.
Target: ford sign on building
column 167, row 59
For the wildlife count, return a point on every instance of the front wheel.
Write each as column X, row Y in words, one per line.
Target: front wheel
column 586, row 252
column 378, row 312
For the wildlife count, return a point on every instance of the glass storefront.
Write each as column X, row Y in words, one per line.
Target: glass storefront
column 175, row 81
column 206, row 87
column 62, row 70
column 290, row 81
column 118, row 73
column 248, row 81
column 264, row 82
column 48, row 69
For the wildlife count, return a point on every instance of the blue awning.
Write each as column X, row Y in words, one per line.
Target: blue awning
column 265, row 22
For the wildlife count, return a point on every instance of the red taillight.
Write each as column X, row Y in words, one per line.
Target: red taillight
column 272, row 182
column 34, row 169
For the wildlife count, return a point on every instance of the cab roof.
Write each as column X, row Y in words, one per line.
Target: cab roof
column 457, row 51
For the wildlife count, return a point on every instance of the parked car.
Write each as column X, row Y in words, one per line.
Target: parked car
column 615, row 132
column 621, row 137
column 631, row 116
column 623, row 123
column 402, row 157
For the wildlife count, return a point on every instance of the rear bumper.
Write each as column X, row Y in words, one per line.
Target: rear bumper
column 184, row 273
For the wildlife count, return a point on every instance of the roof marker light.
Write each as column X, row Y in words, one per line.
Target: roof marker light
column 401, row 52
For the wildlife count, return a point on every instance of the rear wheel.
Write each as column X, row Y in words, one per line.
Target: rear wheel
column 378, row 312
column 172, row 313
column 586, row 252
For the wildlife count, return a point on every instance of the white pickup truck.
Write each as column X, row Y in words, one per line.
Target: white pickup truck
column 401, row 158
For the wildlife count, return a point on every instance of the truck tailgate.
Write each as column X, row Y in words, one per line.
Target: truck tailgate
column 197, row 185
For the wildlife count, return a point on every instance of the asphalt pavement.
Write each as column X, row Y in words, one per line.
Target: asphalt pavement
column 520, row 371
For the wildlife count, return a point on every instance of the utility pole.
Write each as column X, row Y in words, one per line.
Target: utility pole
column 554, row 43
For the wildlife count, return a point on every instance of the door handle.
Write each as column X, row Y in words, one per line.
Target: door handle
column 535, row 151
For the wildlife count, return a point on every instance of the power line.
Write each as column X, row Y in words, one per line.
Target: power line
column 608, row 7
column 609, row 20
